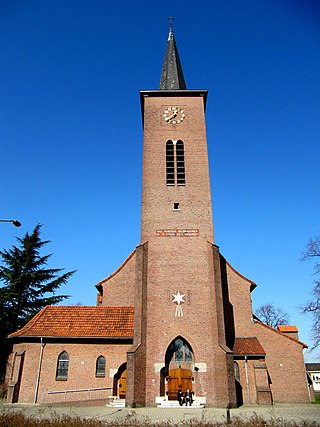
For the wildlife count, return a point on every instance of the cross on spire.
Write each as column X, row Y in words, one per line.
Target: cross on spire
column 170, row 19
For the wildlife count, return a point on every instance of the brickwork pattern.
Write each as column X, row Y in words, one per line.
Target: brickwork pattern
column 284, row 356
column 81, row 373
column 118, row 288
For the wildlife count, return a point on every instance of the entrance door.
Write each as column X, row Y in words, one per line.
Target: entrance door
column 179, row 377
column 123, row 385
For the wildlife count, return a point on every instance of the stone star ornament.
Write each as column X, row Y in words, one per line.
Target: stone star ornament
column 178, row 299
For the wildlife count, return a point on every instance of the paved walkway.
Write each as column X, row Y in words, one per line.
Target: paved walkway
column 298, row 413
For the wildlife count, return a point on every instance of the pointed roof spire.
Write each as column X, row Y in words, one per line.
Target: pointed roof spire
column 172, row 75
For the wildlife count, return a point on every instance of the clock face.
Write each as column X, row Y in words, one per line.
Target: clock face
column 174, row 115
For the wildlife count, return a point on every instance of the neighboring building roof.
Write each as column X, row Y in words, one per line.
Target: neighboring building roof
column 172, row 75
column 287, row 328
column 247, row 346
column 313, row 367
column 80, row 322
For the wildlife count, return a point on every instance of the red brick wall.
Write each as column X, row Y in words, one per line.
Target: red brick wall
column 157, row 197
column 240, row 298
column 81, row 373
column 284, row 357
column 118, row 288
column 199, row 324
column 285, row 365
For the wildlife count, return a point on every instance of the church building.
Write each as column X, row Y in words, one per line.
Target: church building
column 175, row 315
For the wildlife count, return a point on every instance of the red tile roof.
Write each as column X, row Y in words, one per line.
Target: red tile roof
column 287, row 328
column 80, row 321
column 248, row 346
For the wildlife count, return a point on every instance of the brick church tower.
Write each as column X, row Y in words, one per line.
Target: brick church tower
column 179, row 338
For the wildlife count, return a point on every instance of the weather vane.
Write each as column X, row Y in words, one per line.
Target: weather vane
column 171, row 19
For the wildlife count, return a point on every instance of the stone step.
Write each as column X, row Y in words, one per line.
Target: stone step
column 120, row 403
column 194, row 406
column 197, row 403
column 117, row 403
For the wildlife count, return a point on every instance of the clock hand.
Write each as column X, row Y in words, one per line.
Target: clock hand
column 171, row 117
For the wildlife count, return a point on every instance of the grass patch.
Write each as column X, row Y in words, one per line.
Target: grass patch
column 18, row 419
column 317, row 398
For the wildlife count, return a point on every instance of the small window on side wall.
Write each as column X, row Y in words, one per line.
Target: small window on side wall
column 62, row 366
column 101, row 367
column 236, row 371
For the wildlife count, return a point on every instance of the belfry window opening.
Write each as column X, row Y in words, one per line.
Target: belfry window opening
column 175, row 165
column 170, row 163
column 181, row 178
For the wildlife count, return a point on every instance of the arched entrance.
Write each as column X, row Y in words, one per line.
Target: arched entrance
column 120, row 382
column 178, row 371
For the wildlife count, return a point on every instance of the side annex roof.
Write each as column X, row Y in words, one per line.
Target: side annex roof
column 80, row 322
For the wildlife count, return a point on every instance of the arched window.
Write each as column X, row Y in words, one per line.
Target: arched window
column 181, row 177
column 179, row 351
column 236, row 371
column 101, row 367
column 62, row 366
column 170, row 163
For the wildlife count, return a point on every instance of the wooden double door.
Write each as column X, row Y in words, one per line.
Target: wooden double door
column 123, row 385
column 179, row 378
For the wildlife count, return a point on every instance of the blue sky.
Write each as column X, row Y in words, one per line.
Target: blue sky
column 71, row 131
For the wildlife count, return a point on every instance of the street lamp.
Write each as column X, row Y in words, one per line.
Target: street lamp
column 15, row 222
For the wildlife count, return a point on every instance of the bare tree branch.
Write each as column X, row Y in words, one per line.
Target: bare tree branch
column 272, row 315
column 312, row 307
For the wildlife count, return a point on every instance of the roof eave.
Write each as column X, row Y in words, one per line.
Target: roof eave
column 72, row 337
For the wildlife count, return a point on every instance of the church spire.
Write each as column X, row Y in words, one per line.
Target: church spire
column 172, row 75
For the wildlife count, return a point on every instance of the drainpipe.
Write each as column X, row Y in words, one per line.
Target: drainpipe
column 247, row 379
column 39, row 370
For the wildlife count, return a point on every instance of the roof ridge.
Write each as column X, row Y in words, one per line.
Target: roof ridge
column 86, row 306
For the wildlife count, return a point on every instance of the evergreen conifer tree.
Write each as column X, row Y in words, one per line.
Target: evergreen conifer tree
column 28, row 285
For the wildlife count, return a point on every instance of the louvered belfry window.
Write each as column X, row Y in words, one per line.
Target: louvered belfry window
column 170, row 163
column 175, row 167
column 181, row 178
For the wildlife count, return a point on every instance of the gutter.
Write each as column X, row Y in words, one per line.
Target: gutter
column 39, row 370
column 247, row 379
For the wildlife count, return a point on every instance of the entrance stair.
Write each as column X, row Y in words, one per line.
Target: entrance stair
column 116, row 403
column 198, row 403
